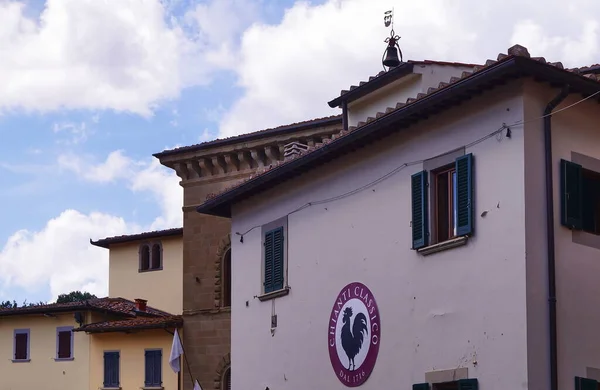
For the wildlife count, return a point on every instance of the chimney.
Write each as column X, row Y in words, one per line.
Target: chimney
column 140, row 304
column 293, row 150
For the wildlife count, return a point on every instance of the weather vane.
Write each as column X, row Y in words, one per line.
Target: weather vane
column 390, row 55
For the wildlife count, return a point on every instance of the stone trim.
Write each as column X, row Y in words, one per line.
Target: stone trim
column 224, row 364
column 224, row 246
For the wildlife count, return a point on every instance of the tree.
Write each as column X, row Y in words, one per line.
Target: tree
column 74, row 296
column 8, row 304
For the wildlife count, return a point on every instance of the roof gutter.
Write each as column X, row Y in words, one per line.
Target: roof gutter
column 553, row 343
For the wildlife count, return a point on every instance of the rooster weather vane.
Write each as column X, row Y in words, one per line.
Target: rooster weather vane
column 390, row 55
column 352, row 340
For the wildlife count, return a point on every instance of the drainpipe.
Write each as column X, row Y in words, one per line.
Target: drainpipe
column 550, row 235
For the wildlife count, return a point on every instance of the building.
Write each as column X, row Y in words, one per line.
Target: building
column 446, row 239
column 209, row 168
column 115, row 342
column 64, row 346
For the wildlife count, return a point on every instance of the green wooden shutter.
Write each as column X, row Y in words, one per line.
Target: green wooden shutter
column 273, row 260
column 571, row 195
column 420, row 222
column 464, row 195
column 585, row 384
column 421, row 386
column 468, row 384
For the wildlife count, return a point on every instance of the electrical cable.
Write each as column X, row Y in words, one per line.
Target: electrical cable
column 401, row 167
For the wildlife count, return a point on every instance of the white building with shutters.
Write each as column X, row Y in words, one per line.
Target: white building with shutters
column 448, row 239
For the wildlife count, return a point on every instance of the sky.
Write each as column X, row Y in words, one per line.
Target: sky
column 89, row 89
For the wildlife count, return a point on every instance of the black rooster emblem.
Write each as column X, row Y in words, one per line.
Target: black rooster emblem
column 352, row 340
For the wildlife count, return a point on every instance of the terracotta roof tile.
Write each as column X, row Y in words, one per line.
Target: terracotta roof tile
column 114, row 305
column 516, row 50
column 237, row 138
column 131, row 324
column 106, row 242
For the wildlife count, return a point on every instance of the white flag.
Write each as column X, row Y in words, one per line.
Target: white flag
column 176, row 351
column 197, row 385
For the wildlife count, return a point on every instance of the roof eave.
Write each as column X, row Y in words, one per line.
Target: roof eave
column 166, row 325
column 514, row 66
column 107, row 242
column 370, row 86
column 249, row 137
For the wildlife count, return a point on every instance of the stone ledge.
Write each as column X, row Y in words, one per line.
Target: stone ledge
column 274, row 294
column 444, row 245
column 216, row 310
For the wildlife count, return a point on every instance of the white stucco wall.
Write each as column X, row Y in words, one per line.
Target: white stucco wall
column 424, row 76
column 574, row 130
column 464, row 307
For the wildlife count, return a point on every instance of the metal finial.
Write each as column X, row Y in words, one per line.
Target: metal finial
column 390, row 56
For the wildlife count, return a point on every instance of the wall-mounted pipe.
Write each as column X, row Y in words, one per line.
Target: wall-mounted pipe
column 550, row 235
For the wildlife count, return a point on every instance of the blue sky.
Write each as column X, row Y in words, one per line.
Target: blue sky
column 88, row 91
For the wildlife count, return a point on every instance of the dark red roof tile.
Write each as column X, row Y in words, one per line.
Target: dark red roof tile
column 132, row 324
column 106, row 242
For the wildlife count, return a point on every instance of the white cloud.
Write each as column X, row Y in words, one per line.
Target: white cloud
column 60, row 255
column 90, row 54
column 139, row 176
column 77, row 132
column 290, row 70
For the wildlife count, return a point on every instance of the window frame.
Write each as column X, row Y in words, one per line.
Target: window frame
column 226, row 291
column 149, row 246
column 118, row 384
column 226, row 379
column 27, row 359
column 267, row 228
column 160, row 364
column 424, row 202
column 59, row 330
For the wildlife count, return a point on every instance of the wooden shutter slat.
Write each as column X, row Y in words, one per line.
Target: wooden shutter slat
column 571, row 195
column 21, row 346
column 269, row 261
column 278, row 259
column 585, row 384
column 421, row 386
column 464, row 195
column 64, row 344
column 111, row 369
column 420, row 221
column 468, row 384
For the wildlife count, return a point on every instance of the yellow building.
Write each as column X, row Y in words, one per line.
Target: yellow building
column 117, row 342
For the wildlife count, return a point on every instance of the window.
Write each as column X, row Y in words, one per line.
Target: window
column 461, row 384
column 64, row 343
column 111, row 369
column 580, row 198
column 226, row 382
column 21, row 345
column 451, row 205
column 150, row 257
column 586, row 384
column 153, row 358
column 226, row 278
column 273, row 260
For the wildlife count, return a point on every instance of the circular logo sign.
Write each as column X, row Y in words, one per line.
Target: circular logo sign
column 354, row 334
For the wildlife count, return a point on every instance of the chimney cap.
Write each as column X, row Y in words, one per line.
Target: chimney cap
column 140, row 304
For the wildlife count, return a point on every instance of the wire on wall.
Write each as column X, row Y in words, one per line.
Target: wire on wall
column 499, row 133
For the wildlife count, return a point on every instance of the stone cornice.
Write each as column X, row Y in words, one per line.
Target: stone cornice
column 240, row 160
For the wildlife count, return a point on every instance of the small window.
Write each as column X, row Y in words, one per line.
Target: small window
column 590, row 186
column 111, row 369
column 21, row 345
column 445, row 203
column 273, row 260
column 153, row 372
column 144, row 258
column 226, row 382
column 156, row 257
column 226, row 278
column 64, row 343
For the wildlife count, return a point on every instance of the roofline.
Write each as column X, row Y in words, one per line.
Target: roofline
column 168, row 324
column 514, row 67
column 251, row 136
column 21, row 311
column 389, row 77
column 107, row 242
